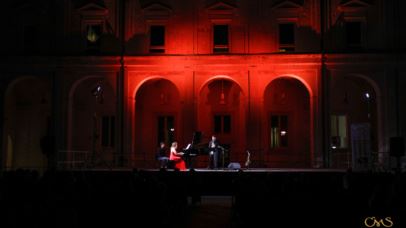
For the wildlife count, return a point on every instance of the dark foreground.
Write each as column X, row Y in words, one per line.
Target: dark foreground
column 199, row 198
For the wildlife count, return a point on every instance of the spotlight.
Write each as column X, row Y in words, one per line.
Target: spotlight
column 97, row 91
column 367, row 95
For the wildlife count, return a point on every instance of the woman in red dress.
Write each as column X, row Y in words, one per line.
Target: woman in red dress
column 176, row 157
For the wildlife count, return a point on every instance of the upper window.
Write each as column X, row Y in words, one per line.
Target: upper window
column 93, row 34
column 92, row 17
column 220, row 38
column 287, row 37
column 157, row 39
column 353, row 34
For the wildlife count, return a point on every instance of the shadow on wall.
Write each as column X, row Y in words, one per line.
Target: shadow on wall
column 137, row 44
column 309, row 40
column 76, row 44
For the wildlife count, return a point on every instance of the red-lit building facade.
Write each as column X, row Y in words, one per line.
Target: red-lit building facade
column 300, row 83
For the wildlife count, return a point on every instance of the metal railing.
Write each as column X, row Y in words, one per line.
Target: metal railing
column 73, row 159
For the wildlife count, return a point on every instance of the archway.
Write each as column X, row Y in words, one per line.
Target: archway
column 157, row 119
column 287, row 123
column 27, row 123
column 92, row 124
column 221, row 112
column 354, row 135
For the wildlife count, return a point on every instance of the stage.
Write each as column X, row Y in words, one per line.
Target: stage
column 257, row 170
column 219, row 170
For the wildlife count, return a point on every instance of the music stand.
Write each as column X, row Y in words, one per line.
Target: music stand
column 222, row 154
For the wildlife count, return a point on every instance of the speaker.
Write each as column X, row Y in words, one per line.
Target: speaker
column 397, row 147
column 234, row 165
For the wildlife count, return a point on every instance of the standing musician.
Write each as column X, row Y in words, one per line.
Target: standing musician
column 214, row 148
column 176, row 157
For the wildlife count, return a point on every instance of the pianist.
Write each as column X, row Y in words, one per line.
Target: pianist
column 161, row 155
column 176, row 157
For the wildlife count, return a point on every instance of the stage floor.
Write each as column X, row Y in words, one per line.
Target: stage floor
column 222, row 170
column 262, row 170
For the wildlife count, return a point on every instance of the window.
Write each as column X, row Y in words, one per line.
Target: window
column 339, row 139
column 222, row 124
column 353, row 33
column 93, row 34
column 108, row 131
column 279, row 131
column 286, row 37
column 220, row 38
column 31, row 39
column 166, row 129
column 157, row 39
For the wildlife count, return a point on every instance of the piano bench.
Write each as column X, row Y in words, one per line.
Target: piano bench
column 170, row 164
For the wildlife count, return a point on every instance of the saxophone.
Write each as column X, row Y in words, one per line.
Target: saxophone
column 248, row 161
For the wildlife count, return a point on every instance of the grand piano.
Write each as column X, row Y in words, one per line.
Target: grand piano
column 194, row 149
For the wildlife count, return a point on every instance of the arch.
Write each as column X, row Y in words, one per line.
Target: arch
column 378, row 96
column 288, row 121
column 80, row 81
column 300, row 79
column 216, row 110
column 7, row 92
column 11, row 84
column 354, row 108
column 25, row 150
column 96, row 114
column 156, row 99
column 8, row 145
column 370, row 81
column 70, row 108
column 148, row 79
column 219, row 77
